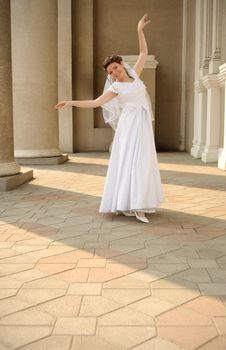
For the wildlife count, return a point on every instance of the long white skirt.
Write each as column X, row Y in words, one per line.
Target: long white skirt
column 133, row 180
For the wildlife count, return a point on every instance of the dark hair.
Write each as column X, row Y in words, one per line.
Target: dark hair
column 111, row 59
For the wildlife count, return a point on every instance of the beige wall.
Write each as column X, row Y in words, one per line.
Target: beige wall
column 223, row 31
column 190, row 73
column 86, row 137
column 112, row 29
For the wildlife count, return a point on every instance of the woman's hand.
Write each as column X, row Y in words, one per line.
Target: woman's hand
column 143, row 22
column 64, row 104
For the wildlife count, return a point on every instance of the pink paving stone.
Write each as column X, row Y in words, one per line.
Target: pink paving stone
column 39, row 228
column 162, row 230
column 103, row 274
column 189, row 337
column 16, row 237
column 211, row 230
column 218, row 343
column 4, row 236
column 66, row 257
column 22, row 335
column 10, row 227
column 180, row 316
column 187, row 224
column 107, row 252
column 92, row 342
column 86, row 212
column 91, row 262
column 74, row 275
column 126, row 336
column 34, row 198
column 125, row 268
column 63, row 258
column 220, row 323
column 212, row 234
column 54, row 268
column 207, row 305
column 17, row 230
column 84, row 253
column 189, row 237
column 128, row 259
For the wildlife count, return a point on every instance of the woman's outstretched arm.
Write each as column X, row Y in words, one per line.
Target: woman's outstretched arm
column 142, row 45
column 104, row 98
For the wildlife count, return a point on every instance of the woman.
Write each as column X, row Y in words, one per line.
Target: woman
column 133, row 184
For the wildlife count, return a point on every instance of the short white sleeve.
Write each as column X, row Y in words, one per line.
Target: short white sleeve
column 113, row 88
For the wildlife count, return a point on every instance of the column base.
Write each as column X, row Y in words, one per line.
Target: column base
column 222, row 159
column 181, row 148
column 10, row 182
column 9, row 168
column 43, row 160
column 197, row 150
column 210, row 155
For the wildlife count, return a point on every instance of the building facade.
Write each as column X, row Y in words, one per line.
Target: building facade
column 53, row 50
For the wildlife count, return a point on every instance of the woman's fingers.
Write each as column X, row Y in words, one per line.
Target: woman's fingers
column 60, row 105
column 143, row 21
column 147, row 22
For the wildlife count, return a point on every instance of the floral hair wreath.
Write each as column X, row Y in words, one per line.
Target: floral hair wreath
column 111, row 59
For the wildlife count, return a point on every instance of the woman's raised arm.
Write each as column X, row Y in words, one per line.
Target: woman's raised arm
column 99, row 101
column 142, row 45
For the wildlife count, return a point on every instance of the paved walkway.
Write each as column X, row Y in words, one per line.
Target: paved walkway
column 73, row 279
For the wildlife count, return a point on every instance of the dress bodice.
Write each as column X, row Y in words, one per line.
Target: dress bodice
column 131, row 94
column 134, row 92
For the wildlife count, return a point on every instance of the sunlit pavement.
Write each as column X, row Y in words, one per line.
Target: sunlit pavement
column 72, row 278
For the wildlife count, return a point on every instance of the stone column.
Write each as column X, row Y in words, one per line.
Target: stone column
column 183, row 80
column 211, row 150
column 216, row 51
column 207, row 35
column 65, row 74
column 10, row 175
column 34, row 58
column 195, row 152
column 82, row 46
column 201, row 101
column 222, row 152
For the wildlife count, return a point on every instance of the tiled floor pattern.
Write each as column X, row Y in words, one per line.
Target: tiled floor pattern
column 71, row 278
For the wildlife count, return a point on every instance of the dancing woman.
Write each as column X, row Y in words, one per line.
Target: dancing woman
column 133, row 183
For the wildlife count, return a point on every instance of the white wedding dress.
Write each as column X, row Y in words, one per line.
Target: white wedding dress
column 133, row 180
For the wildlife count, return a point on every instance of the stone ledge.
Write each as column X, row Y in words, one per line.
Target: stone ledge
column 10, row 182
column 43, row 160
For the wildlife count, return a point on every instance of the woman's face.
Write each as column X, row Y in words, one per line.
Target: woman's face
column 116, row 71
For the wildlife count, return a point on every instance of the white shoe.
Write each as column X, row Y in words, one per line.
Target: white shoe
column 141, row 218
column 128, row 213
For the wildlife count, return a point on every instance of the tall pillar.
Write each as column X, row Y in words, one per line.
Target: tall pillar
column 201, row 100
column 183, row 80
column 216, row 51
column 10, row 175
column 211, row 150
column 34, row 58
column 222, row 152
column 65, row 74
column 199, row 28
column 207, row 35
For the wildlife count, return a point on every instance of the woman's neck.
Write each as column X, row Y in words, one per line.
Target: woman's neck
column 126, row 78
